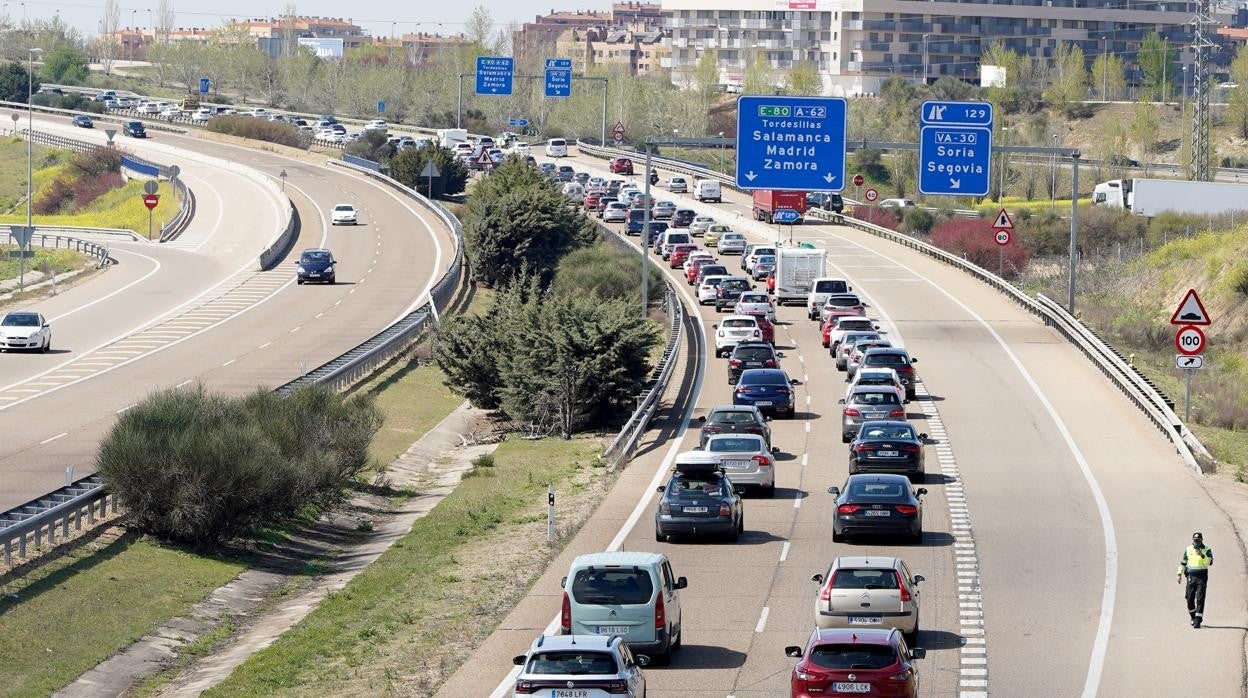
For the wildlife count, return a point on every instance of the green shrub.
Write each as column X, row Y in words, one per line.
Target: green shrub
column 1238, row 278
column 261, row 130
column 919, row 220
column 452, row 172
column 373, row 145
column 605, row 273
column 201, row 468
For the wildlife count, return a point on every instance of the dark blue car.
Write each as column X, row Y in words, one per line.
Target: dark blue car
column 316, row 265
column 768, row 389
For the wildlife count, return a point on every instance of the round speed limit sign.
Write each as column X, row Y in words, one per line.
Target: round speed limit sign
column 1189, row 340
column 1003, row 237
column 871, row 195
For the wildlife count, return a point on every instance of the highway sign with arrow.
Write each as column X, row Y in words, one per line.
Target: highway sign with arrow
column 1185, row 361
column 1191, row 311
column 494, row 75
column 955, row 148
column 785, row 215
column 791, row 143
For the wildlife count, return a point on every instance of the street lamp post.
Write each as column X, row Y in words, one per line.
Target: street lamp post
column 1104, row 67
column 30, row 133
column 925, row 37
column 1053, row 177
column 133, row 28
column 721, row 151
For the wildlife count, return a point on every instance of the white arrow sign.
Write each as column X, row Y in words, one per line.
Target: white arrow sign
column 955, row 183
column 750, row 175
column 829, row 178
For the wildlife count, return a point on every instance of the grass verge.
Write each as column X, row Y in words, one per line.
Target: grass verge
column 120, row 208
column 413, row 398
column 13, row 170
column 69, row 614
column 408, row 620
column 59, row 261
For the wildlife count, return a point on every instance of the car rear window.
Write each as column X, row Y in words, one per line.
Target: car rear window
column 618, row 587
column 752, row 353
column 735, row 284
column 844, row 301
column 576, row 662
column 765, row 259
column 887, row 432
column 733, row 417
column 856, row 325
column 852, row 338
column 856, row 656
column 831, row 286
column 715, row 269
column 753, row 297
column 885, row 360
column 874, row 398
column 678, row 237
column 739, row 322
column 758, row 377
column 864, row 579
column 877, row 490
column 733, row 444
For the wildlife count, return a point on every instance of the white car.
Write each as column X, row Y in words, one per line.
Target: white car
column 557, row 148
column 202, row 114
column 850, row 324
column 733, row 330
column 700, row 224
column 755, row 303
column 882, row 377
column 756, row 251
column 170, row 112
column 678, row 185
column 24, row 329
column 708, row 288
column 149, row 108
column 897, row 203
column 732, row 243
column 520, row 148
column 746, row 460
column 376, row 125
column 344, row 214
column 615, row 212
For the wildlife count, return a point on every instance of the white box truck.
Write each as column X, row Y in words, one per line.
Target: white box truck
column 796, row 270
column 1149, row 197
column 448, row 137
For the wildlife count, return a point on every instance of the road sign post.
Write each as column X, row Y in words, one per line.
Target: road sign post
column 558, row 77
column 381, row 106
column 494, row 75
column 791, row 143
column 1190, row 341
column 955, row 148
column 1191, row 311
column 430, row 171
column 150, row 201
column 204, row 85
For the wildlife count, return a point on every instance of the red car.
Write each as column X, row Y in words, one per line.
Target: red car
column 854, row 661
column 769, row 330
column 692, row 275
column 771, row 282
column 591, row 202
column 679, row 252
column 621, row 166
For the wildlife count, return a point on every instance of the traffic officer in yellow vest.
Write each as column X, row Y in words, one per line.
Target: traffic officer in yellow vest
column 1195, row 566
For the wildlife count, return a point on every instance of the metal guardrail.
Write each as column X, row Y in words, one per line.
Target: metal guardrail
column 24, row 526
column 116, row 117
column 91, row 249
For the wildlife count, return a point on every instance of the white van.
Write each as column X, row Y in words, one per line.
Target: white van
column 633, row 595
column 574, row 192
column 707, row 190
column 821, row 290
column 670, row 238
column 557, row 148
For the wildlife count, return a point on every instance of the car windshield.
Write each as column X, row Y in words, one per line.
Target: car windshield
column 864, row 579
column 612, row 586
column 733, row 417
column 734, row 444
column 756, row 353
column 877, row 490
column 572, row 662
column 899, row 431
column 739, row 322
column 344, row 207
column 321, row 256
column 886, row 360
column 874, row 398
column 855, row 656
column 753, row 297
column 20, row 320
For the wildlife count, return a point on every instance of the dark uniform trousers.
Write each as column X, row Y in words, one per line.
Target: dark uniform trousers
column 1197, row 580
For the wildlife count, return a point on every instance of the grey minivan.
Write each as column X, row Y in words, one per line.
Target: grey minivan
column 633, row 595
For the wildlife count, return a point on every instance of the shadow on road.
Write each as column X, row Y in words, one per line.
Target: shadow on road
column 706, row 657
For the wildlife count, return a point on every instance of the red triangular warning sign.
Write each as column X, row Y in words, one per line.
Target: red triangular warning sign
column 484, row 158
column 1191, row 311
column 1003, row 221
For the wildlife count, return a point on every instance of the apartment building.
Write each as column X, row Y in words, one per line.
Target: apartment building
column 857, row 44
column 639, row 48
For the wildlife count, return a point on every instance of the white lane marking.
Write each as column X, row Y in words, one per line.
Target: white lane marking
column 319, row 316
column 784, row 551
column 797, row 501
column 804, row 458
column 265, row 345
column 188, row 380
column 296, row 329
column 123, row 409
column 54, row 438
column 762, row 619
column 220, row 217
column 807, row 427
column 227, row 363
column 1100, row 644
column 106, row 296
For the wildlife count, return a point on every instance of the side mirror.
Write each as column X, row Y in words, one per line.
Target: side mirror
column 793, row 651
column 921, row 491
column 660, row 488
column 834, row 491
column 642, row 659
column 519, row 660
column 779, row 355
column 914, row 361
column 702, row 418
column 793, row 381
column 682, row 583
column 918, row 578
column 817, row 578
column 841, row 401
column 918, row 653
column 715, row 326
column 563, row 582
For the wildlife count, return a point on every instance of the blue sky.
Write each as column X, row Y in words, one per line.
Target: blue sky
column 374, row 15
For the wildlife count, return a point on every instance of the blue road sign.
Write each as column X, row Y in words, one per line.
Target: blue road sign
column 517, row 123
column 381, row 106
column 204, row 84
column 956, row 114
column 954, row 160
column 785, row 215
column 494, row 75
column 558, row 81
column 791, row 143
column 955, row 148
column 558, row 64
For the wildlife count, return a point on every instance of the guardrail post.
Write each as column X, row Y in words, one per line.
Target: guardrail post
column 8, row 554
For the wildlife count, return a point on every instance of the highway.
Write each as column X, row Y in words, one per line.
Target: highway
column 1055, row 518
column 199, row 309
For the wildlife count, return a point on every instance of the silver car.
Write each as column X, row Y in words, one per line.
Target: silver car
column 700, row 224
column 869, row 592
column 732, row 243
column 853, row 361
column 746, row 460
column 848, row 340
column 615, row 212
column 866, row 403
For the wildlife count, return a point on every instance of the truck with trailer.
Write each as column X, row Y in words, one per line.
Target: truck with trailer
column 796, row 270
column 1149, row 197
column 768, row 201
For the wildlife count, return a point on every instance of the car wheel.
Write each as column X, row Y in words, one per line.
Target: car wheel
column 846, row 438
column 659, row 536
column 918, row 478
column 912, row 638
column 299, row 282
column 917, row 536
column 735, row 535
column 770, row 491
column 47, row 346
column 840, row 365
column 837, row 537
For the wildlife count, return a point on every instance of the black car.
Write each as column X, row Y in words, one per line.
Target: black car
column 683, row 217
column 698, row 500
column 580, row 178
column 736, row 419
column 657, row 228
column 888, row 447
column 826, row 201
column 83, row 121
column 751, row 355
column 729, row 291
column 895, row 358
column 602, row 203
column 134, row 129
column 878, row 504
column 1122, row 161
column 548, row 169
column 565, row 173
column 316, row 264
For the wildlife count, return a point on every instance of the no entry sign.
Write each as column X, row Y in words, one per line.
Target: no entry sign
column 150, row 200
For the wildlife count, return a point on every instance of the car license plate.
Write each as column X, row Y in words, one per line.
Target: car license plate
column 695, row 510
column 841, row 687
column 863, row 620
column 763, row 403
column 881, row 512
column 886, row 454
column 613, row 630
column 572, row 692
column 736, row 464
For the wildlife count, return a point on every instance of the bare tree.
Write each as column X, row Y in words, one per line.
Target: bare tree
column 480, row 28
column 107, row 43
column 290, row 33
column 166, row 17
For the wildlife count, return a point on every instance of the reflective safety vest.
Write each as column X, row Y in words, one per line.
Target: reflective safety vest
column 1196, row 559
